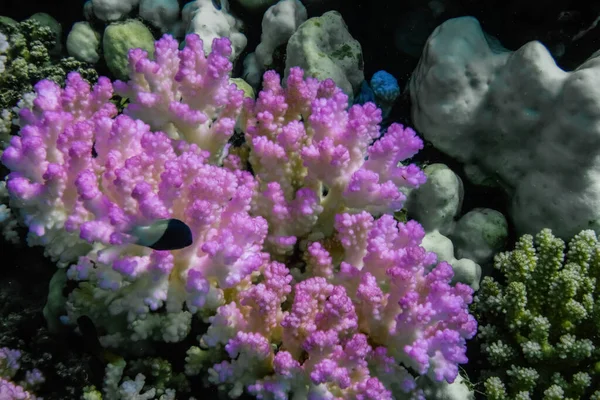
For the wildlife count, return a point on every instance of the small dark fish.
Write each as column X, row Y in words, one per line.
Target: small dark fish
column 89, row 333
column 164, row 234
column 217, row 4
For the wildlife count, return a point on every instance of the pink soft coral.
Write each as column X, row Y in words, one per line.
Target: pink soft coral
column 306, row 292
column 308, row 154
column 185, row 93
column 417, row 315
column 78, row 172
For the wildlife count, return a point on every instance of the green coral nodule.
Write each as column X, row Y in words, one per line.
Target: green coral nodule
column 27, row 59
column 539, row 321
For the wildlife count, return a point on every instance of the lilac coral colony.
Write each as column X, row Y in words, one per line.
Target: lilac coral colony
column 307, row 285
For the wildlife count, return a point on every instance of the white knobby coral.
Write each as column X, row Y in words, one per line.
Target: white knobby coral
column 163, row 14
column 112, row 10
column 203, row 18
column 278, row 25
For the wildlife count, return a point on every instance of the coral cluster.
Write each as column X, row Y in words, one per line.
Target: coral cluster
column 153, row 378
column 539, row 324
column 307, row 283
column 24, row 60
column 304, row 142
column 352, row 327
column 9, row 367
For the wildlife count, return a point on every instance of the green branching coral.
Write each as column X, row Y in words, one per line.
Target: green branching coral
column 539, row 327
column 26, row 59
column 27, row 55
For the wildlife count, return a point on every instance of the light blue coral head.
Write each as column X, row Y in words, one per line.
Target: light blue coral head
column 386, row 90
column 385, row 86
